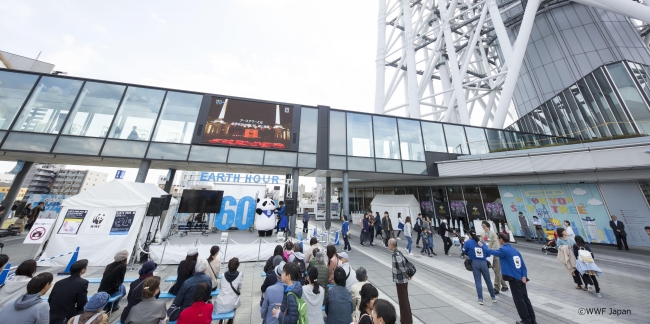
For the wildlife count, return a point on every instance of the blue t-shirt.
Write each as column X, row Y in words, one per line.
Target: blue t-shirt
column 512, row 264
column 474, row 251
column 345, row 228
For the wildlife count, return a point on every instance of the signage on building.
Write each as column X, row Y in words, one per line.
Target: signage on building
column 18, row 167
column 120, row 174
column 238, row 178
column 40, row 231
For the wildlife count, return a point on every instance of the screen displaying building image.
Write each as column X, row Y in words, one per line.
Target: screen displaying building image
column 244, row 123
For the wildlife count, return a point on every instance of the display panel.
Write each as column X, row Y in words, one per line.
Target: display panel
column 201, row 201
column 244, row 123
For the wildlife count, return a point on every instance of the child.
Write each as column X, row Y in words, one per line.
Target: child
column 345, row 230
column 383, row 312
column 288, row 312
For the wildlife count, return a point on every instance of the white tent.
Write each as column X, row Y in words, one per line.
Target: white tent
column 393, row 204
column 105, row 220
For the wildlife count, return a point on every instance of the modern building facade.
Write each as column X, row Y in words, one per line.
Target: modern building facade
column 40, row 178
column 72, row 182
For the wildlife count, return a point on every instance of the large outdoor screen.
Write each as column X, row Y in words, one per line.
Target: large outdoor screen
column 201, row 201
column 244, row 123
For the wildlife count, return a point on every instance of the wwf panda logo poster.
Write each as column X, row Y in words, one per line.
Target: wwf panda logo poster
column 98, row 217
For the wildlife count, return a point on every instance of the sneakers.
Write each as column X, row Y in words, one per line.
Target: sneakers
column 399, row 238
column 434, row 253
column 417, row 246
column 591, row 289
column 598, row 295
column 349, row 250
column 480, row 301
column 448, row 254
column 496, row 292
column 494, row 299
column 504, row 289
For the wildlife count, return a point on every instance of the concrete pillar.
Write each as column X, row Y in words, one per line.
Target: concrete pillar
column 170, row 181
column 346, row 195
column 14, row 190
column 142, row 171
column 328, row 202
column 294, row 195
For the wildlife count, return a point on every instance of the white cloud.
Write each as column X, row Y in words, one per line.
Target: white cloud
column 68, row 40
column 594, row 202
column 158, row 19
column 508, row 195
column 101, row 29
column 579, row 191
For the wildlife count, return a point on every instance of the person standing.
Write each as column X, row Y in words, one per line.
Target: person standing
column 408, row 233
column 273, row 296
column 569, row 231
column 23, row 218
column 371, row 228
column 365, row 229
column 387, row 228
column 305, row 221
column 378, row 226
column 400, row 225
column 14, row 207
column 477, row 254
column 401, row 280
column 283, row 223
column 514, row 272
column 588, row 270
column 113, row 279
column 493, row 244
column 444, row 231
column 426, row 236
column 69, row 295
column 619, row 231
column 523, row 222
column 418, row 228
column 345, row 232
column 34, row 215
column 566, row 257
column 539, row 230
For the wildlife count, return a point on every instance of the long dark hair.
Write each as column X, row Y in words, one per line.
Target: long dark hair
column 472, row 233
column 27, row 268
column 312, row 275
column 368, row 292
column 214, row 250
column 560, row 231
column 408, row 219
column 580, row 242
column 201, row 293
column 331, row 252
column 190, row 262
column 278, row 251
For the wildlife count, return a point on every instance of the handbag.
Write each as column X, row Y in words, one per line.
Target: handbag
column 410, row 267
column 173, row 312
column 417, row 227
column 585, row 256
column 468, row 264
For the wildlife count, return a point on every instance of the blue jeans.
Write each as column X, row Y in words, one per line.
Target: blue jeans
column 410, row 242
column 430, row 241
column 120, row 292
column 480, row 268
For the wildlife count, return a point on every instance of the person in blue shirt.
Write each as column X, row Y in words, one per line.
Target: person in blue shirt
column 345, row 231
column 283, row 224
column 477, row 255
column 513, row 270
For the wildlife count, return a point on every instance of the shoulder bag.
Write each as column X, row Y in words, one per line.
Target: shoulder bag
column 585, row 256
column 233, row 288
column 410, row 267
column 468, row 264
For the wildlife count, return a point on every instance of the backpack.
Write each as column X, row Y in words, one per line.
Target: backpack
column 302, row 309
column 303, row 268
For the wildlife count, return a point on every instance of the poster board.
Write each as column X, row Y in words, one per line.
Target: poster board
column 40, row 231
column 72, row 221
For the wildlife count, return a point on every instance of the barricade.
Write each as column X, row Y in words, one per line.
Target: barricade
column 73, row 259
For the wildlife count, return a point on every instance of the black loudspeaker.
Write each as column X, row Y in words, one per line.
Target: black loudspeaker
column 154, row 207
column 290, row 207
column 165, row 201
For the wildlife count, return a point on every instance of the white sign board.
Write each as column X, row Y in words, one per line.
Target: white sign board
column 40, row 231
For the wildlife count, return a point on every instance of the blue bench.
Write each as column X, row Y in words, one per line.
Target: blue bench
column 167, row 295
column 175, row 278
column 218, row 317
column 99, row 280
column 263, row 273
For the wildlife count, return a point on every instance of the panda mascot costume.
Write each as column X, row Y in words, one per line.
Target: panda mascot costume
column 265, row 217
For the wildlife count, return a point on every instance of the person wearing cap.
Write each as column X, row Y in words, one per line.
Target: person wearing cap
column 185, row 270
column 30, row 307
column 273, row 296
column 135, row 290
column 271, row 279
column 93, row 311
column 113, row 279
column 350, row 275
column 69, row 295
column 184, row 298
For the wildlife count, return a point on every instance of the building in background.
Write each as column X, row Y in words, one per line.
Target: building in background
column 40, row 178
column 73, row 182
column 7, row 178
column 18, row 62
column 4, row 188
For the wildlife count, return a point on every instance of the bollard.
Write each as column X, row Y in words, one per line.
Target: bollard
column 315, row 231
column 301, row 249
column 336, row 238
column 299, row 236
column 72, row 260
column 5, row 272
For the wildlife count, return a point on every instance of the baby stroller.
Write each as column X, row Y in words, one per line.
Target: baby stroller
column 550, row 247
column 459, row 242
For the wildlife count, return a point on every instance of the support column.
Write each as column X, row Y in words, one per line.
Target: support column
column 346, row 194
column 294, row 195
column 413, row 110
column 328, row 202
column 14, row 190
column 142, row 171
column 380, row 61
column 170, row 180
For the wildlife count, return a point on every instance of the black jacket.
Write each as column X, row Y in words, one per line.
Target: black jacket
column 181, row 277
column 386, row 224
column 134, row 297
column 618, row 226
column 113, row 277
column 68, row 298
column 269, row 280
column 443, row 228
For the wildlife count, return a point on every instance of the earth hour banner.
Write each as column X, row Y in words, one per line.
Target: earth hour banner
column 580, row 204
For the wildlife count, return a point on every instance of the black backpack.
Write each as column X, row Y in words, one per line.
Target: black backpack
column 303, row 268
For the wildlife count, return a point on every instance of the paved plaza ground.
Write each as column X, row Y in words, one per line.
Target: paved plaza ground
column 443, row 291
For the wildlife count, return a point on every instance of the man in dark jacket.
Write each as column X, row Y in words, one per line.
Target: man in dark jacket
column 292, row 291
column 386, row 227
column 444, row 231
column 619, row 231
column 135, row 290
column 338, row 300
column 271, row 278
column 113, row 279
column 184, row 298
column 69, row 295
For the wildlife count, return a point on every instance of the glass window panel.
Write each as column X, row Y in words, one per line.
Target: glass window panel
column 456, row 142
column 474, row 204
column 410, row 139
column 535, row 121
column 531, row 140
column 614, row 103
column 280, row 158
column 163, row 151
column 137, row 114
column 561, row 116
column 476, row 140
column 515, row 140
column 178, row 117
column 359, row 132
column 2, row 135
column 434, row 137
column 640, row 77
column 14, row 89
column 306, row 160
column 389, row 191
column 586, row 130
column 412, row 167
column 388, row 166
column 543, row 124
column 599, row 99
column 48, row 106
column 566, row 116
column 124, row 148
column 208, row 154
column 549, row 121
column 386, row 140
column 587, row 115
column 361, row 164
column 29, row 142
column 631, row 96
column 400, row 191
column 78, row 145
column 360, row 202
column 308, row 134
column 337, row 132
column 93, row 113
column 555, row 118
column 496, row 140
column 338, row 162
column 245, row 156
column 591, row 104
column 458, row 207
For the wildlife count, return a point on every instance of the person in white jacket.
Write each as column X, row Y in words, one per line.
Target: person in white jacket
column 228, row 298
column 16, row 286
column 313, row 295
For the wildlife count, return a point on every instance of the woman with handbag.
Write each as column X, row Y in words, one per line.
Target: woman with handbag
column 231, row 282
column 585, row 266
column 24, row 216
column 477, row 256
column 564, row 243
